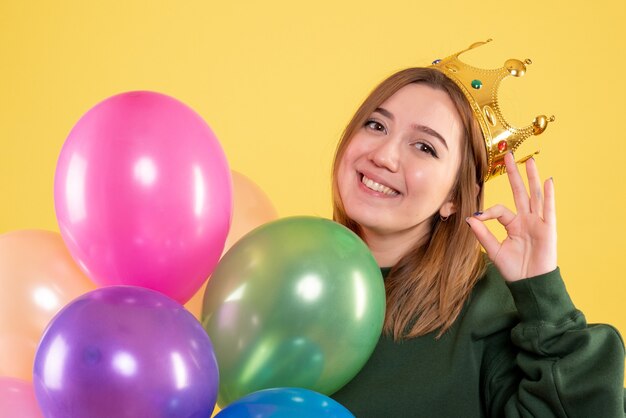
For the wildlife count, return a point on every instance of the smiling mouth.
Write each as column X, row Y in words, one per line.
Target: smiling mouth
column 377, row 187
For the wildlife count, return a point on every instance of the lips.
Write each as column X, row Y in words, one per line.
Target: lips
column 377, row 186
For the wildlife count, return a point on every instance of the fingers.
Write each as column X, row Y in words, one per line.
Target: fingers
column 534, row 184
column 549, row 209
column 517, row 184
column 503, row 214
column 484, row 236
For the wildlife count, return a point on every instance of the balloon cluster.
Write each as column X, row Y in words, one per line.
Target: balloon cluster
column 144, row 201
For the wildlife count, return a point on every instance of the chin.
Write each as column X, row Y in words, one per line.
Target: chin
column 371, row 222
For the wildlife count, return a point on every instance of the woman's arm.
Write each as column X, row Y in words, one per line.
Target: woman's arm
column 563, row 367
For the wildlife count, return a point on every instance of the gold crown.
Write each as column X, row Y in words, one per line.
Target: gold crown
column 481, row 88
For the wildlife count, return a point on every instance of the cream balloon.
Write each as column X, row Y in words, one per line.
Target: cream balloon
column 38, row 277
column 251, row 208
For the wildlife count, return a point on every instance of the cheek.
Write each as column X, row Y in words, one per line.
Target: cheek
column 415, row 179
column 351, row 151
column 433, row 182
column 358, row 147
column 346, row 163
column 343, row 175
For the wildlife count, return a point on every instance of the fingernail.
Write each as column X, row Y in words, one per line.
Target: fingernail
column 478, row 213
column 552, row 180
column 467, row 220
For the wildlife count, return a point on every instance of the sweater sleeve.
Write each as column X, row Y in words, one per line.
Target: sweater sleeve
column 563, row 367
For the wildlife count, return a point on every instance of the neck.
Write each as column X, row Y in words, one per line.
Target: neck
column 389, row 248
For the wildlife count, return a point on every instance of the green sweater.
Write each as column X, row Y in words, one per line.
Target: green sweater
column 516, row 350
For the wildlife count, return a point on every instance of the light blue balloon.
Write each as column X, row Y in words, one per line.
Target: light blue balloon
column 285, row 403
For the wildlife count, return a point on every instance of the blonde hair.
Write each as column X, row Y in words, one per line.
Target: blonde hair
column 428, row 287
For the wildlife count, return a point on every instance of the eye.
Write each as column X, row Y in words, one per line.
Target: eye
column 424, row 147
column 374, row 125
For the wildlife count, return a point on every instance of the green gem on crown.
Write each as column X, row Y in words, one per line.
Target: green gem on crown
column 477, row 84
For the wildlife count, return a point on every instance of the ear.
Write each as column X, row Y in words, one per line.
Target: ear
column 447, row 209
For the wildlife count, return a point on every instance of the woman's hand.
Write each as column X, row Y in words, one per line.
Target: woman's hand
column 530, row 246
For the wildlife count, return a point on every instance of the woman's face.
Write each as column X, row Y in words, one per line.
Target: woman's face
column 399, row 168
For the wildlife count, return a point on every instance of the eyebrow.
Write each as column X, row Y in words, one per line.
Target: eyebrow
column 415, row 126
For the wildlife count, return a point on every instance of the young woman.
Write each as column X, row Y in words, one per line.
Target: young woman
column 465, row 335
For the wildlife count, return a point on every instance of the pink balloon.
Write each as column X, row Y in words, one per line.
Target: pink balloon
column 17, row 399
column 143, row 194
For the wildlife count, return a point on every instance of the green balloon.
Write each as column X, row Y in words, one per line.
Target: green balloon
column 298, row 302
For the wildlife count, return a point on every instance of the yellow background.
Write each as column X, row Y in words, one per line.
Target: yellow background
column 277, row 81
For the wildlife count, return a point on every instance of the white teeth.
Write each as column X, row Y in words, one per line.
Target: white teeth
column 377, row 187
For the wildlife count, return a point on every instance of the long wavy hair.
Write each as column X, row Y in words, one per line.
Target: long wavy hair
column 427, row 288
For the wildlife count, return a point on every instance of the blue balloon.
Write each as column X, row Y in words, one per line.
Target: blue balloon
column 285, row 403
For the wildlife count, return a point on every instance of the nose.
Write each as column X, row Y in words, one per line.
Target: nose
column 386, row 155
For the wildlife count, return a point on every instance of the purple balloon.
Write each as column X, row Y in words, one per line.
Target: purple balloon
column 125, row 351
